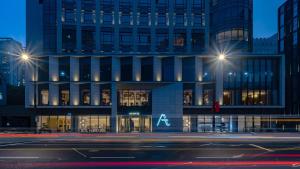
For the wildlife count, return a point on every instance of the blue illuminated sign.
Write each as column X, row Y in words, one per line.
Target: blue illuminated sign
column 163, row 118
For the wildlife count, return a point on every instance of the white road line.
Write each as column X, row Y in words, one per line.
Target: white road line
column 233, row 157
column 19, row 157
column 17, row 143
column 112, row 157
column 83, row 155
column 160, row 146
column 260, row 147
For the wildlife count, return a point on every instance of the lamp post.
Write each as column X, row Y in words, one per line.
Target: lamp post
column 26, row 58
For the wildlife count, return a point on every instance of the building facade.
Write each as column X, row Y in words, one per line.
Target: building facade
column 266, row 45
column 288, row 44
column 143, row 66
column 231, row 25
column 11, row 70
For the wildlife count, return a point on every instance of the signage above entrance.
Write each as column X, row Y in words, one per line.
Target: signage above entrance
column 163, row 118
column 134, row 113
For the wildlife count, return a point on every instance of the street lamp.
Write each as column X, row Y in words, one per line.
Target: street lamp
column 221, row 57
column 25, row 57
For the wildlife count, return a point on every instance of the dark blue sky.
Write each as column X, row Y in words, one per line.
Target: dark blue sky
column 12, row 18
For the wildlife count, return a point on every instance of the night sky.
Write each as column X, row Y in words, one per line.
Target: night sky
column 12, row 18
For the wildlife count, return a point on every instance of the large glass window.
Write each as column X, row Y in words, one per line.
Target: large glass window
column 43, row 94
column 162, row 40
column 64, row 94
column 105, row 91
column 188, row 94
column 126, row 69
column 167, row 69
column 147, row 69
column 130, row 98
column 85, row 69
column 126, row 40
column 88, row 40
column 188, row 69
column 43, row 69
column 179, row 40
column 107, row 39
column 105, row 69
column 69, row 39
column 64, row 68
column 85, row 94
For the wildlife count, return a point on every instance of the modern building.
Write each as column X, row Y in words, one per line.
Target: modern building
column 266, row 45
column 288, row 44
column 231, row 25
column 10, row 68
column 146, row 66
column 2, row 92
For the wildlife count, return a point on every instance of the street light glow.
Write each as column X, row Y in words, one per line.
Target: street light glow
column 25, row 57
column 222, row 57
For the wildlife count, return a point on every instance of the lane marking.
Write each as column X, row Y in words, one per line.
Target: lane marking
column 83, row 155
column 260, row 147
column 160, row 146
column 19, row 157
column 112, row 157
column 233, row 157
column 18, row 143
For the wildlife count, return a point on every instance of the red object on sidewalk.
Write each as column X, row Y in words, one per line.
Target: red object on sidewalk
column 216, row 107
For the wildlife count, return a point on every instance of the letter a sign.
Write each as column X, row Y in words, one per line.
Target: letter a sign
column 163, row 118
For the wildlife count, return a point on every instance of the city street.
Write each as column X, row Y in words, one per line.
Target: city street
column 149, row 151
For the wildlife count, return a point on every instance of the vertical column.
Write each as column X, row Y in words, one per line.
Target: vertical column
column 282, row 81
column 189, row 26
column 59, row 26
column 74, row 94
column 198, row 69
column 178, row 68
column 95, row 94
column 136, row 66
column 53, row 71
column 153, row 25
column 157, row 69
column 74, row 69
column 114, row 108
column 78, row 26
column 29, row 94
column 219, row 82
column 117, row 29
column 207, row 23
column 98, row 28
column 135, row 30
column 53, row 94
column 95, row 69
column 116, row 76
column 198, row 94
column 171, row 25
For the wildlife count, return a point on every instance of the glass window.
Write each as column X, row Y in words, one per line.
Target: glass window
column 167, row 69
column 69, row 39
column 105, row 95
column 126, row 69
column 64, row 68
column 188, row 97
column 43, row 94
column 105, row 69
column 147, row 69
column 188, row 69
column 132, row 98
column 64, row 95
column 85, row 94
column 162, row 40
column 85, row 68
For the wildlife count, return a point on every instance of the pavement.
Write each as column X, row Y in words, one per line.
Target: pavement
column 149, row 151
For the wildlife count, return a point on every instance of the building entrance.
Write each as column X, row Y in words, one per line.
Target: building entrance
column 134, row 123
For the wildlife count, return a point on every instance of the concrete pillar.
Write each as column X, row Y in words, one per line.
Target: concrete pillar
column 116, row 75
column 74, row 94
column 53, row 69
column 74, row 69
column 29, row 94
column 95, row 94
column 95, row 69
column 136, row 68
column 114, row 108
column 53, row 94
column 219, row 82
column 157, row 76
column 198, row 69
column 198, row 94
column 178, row 69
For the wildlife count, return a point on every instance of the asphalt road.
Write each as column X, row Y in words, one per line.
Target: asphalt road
column 73, row 153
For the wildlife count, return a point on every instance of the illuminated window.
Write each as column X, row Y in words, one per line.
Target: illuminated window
column 188, row 97
column 131, row 98
column 106, row 97
column 45, row 97
column 65, row 97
